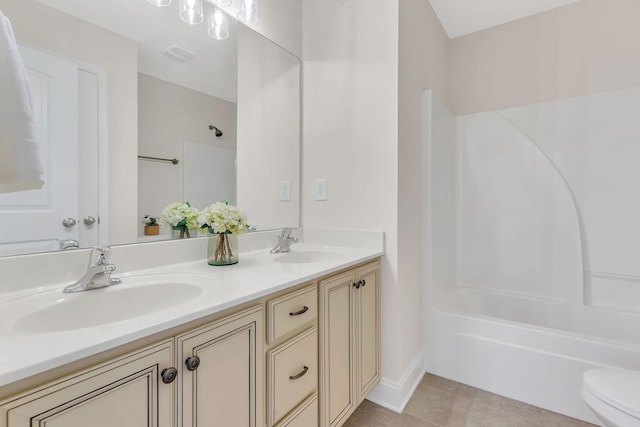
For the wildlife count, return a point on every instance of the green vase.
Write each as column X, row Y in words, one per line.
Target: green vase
column 222, row 248
column 182, row 232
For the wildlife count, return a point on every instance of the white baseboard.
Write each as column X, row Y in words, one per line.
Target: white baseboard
column 395, row 395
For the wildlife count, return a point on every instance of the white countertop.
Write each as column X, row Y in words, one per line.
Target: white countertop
column 257, row 274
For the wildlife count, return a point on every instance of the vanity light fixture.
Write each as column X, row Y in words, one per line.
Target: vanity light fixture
column 217, row 24
column 249, row 11
column 218, row 131
column 160, row 3
column 191, row 11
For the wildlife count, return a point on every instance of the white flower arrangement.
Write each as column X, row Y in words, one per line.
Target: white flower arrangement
column 223, row 218
column 180, row 215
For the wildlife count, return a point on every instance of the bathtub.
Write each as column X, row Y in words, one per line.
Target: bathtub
column 529, row 349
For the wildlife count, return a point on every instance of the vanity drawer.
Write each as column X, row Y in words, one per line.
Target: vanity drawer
column 293, row 374
column 306, row 415
column 291, row 311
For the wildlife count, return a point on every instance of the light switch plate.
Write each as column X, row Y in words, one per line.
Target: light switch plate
column 321, row 189
column 285, row 190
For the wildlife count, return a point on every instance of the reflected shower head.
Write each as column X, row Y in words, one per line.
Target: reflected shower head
column 218, row 131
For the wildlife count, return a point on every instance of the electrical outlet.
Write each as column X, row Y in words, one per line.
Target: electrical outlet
column 321, row 189
column 285, row 191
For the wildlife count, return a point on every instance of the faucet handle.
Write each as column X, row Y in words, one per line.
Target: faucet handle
column 285, row 233
column 99, row 256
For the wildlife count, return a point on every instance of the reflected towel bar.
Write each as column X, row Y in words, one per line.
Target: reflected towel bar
column 174, row 161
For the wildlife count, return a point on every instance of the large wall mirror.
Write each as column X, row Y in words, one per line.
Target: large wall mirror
column 137, row 109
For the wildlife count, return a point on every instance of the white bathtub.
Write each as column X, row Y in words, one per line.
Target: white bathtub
column 528, row 349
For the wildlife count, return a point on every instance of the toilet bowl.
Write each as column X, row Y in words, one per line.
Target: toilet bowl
column 614, row 395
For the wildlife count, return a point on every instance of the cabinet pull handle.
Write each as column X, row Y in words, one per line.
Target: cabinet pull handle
column 168, row 375
column 192, row 363
column 357, row 284
column 299, row 312
column 364, row 282
column 299, row 374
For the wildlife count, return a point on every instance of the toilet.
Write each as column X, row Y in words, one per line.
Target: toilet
column 614, row 395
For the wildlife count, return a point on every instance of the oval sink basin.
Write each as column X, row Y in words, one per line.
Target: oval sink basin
column 306, row 257
column 134, row 297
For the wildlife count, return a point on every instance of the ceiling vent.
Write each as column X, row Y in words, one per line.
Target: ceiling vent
column 178, row 53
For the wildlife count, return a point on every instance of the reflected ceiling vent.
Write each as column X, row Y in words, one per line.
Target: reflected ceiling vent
column 179, row 53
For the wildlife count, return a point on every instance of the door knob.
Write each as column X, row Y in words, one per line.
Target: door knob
column 89, row 220
column 69, row 222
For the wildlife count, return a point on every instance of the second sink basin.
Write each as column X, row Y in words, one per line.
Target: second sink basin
column 135, row 296
column 304, row 257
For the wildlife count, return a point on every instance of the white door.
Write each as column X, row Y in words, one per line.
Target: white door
column 33, row 221
column 88, row 191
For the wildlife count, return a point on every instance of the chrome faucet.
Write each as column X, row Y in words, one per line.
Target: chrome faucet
column 98, row 273
column 285, row 240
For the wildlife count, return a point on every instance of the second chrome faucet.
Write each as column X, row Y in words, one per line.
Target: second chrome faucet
column 285, row 240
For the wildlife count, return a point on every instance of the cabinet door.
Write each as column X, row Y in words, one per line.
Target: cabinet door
column 337, row 349
column 226, row 388
column 126, row 392
column 368, row 329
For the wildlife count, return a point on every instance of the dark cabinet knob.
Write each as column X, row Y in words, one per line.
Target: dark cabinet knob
column 168, row 375
column 364, row 282
column 356, row 284
column 192, row 363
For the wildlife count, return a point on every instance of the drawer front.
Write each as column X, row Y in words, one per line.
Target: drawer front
column 304, row 416
column 293, row 373
column 291, row 312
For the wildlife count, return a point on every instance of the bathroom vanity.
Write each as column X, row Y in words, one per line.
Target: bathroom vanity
column 300, row 350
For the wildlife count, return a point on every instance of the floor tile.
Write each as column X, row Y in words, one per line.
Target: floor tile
column 439, row 402
column 483, row 415
column 510, row 406
column 552, row 419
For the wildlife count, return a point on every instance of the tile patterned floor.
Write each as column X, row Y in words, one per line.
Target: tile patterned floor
column 441, row 402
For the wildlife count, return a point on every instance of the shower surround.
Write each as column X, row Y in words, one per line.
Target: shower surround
column 532, row 244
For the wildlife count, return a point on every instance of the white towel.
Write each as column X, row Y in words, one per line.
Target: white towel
column 20, row 158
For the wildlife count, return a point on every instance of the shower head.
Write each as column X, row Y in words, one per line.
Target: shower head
column 218, row 131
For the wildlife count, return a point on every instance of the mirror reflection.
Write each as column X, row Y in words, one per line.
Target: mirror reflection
column 116, row 80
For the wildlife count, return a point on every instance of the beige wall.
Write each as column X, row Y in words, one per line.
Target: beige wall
column 350, row 132
column 422, row 66
column 40, row 26
column 168, row 116
column 269, row 138
column 280, row 21
column 590, row 46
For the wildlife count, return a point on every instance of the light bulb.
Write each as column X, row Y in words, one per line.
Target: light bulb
column 249, row 11
column 191, row 11
column 160, row 3
column 217, row 24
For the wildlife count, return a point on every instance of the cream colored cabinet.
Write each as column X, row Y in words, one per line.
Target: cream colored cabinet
column 209, row 376
column 220, row 379
column 367, row 326
column 322, row 358
column 129, row 391
column 349, row 341
column 292, row 359
column 305, row 416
